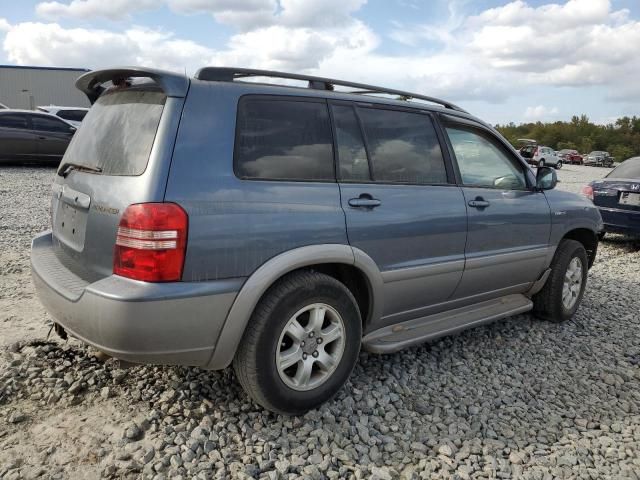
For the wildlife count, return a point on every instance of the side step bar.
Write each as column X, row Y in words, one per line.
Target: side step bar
column 392, row 338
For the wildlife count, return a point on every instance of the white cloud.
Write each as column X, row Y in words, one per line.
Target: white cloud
column 87, row 9
column 490, row 56
column 242, row 14
column 577, row 43
column 540, row 112
column 50, row 44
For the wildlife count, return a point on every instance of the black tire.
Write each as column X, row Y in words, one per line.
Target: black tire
column 558, row 165
column 541, row 163
column 255, row 361
column 547, row 304
column 601, row 235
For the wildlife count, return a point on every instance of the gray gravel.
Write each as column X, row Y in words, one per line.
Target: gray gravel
column 519, row 398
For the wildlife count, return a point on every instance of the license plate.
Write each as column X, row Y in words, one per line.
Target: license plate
column 628, row 198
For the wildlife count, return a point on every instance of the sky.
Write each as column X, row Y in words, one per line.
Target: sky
column 505, row 61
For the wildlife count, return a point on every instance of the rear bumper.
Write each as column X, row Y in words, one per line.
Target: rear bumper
column 620, row 221
column 176, row 323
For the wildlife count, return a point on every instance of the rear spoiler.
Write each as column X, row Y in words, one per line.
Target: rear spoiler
column 172, row 84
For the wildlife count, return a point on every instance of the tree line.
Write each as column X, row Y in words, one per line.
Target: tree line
column 621, row 139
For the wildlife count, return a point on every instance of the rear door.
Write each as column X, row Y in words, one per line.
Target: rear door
column 401, row 206
column 509, row 222
column 52, row 136
column 17, row 141
column 128, row 135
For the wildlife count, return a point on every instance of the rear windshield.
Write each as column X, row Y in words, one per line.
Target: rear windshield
column 75, row 115
column 118, row 132
column 627, row 169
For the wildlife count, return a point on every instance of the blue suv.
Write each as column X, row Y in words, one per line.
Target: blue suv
column 211, row 221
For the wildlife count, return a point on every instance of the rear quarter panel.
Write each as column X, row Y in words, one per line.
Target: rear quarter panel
column 237, row 225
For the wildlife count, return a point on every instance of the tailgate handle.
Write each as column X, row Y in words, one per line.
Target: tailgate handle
column 75, row 198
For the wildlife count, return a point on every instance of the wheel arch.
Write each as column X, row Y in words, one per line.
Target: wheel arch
column 347, row 264
column 588, row 238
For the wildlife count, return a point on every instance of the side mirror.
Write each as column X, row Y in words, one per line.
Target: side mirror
column 546, row 178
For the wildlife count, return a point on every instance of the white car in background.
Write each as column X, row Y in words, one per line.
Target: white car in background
column 73, row 115
column 539, row 155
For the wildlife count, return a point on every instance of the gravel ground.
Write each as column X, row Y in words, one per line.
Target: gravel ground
column 519, row 398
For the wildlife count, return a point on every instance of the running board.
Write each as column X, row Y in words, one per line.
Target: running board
column 401, row 335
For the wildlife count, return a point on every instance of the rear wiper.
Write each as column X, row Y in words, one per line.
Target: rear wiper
column 66, row 168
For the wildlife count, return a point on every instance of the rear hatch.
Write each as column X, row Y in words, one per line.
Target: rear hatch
column 119, row 156
column 528, row 151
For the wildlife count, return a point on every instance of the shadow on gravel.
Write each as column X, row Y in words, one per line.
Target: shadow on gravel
column 555, row 397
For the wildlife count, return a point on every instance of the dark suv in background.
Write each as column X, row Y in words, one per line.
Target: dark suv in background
column 209, row 221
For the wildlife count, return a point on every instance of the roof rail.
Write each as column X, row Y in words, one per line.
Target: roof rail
column 173, row 84
column 229, row 74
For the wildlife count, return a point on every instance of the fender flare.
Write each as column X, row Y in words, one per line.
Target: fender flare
column 260, row 280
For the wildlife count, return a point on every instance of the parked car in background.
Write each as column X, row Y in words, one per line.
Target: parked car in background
column 73, row 115
column 570, row 156
column 209, row 221
column 539, row 155
column 599, row 158
column 617, row 196
column 28, row 136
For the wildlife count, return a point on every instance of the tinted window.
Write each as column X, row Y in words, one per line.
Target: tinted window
column 13, row 120
column 75, row 115
column 403, row 147
column 284, row 140
column 352, row 155
column 47, row 124
column 483, row 163
column 628, row 169
column 118, row 132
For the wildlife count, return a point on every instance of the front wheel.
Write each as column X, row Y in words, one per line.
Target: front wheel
column 558, row 165
column 301, row 343
column 541, row 163
column 562, row 293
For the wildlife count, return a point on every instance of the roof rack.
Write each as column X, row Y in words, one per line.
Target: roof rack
column 228, row 74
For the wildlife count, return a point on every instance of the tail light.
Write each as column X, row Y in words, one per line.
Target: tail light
column 151, row 242
column 587, row 191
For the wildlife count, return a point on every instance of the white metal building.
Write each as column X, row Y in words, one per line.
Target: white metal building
column 28, row 87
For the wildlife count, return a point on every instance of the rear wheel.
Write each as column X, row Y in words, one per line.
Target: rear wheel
column 301, row 343
column 559, row 165
column 561, row 295
column 541, row 163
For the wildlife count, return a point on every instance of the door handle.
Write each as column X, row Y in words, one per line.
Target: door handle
column 479, row 203
column 42, row 138
column 364, row 201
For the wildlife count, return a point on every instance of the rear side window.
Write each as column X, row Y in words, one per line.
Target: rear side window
column 118, row 132
column 280, row 139
column 13, row 120
column 74, row 115
column 352, row 155
column 403, row 147
column 47, row 124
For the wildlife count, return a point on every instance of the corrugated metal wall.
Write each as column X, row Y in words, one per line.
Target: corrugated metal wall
column 30, row 87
